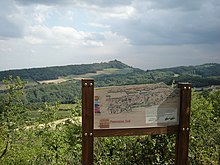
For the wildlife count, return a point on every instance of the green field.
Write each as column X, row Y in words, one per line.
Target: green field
column 66, row 107
column 36, row 115
column 65, row 111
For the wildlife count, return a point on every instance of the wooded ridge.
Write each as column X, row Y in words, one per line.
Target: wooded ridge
column 200, row 75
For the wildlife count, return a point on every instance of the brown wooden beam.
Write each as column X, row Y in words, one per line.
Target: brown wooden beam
column 182, row 140
column 135, row 131
column 87, row 121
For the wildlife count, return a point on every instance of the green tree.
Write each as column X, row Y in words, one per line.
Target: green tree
column 12, row 113
column 137, row 150
column 43, row 142
column 203, row 146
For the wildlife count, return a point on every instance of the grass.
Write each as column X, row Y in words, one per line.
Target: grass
column 67, row 106
column 34, row 115
column 65, row 111
column 214, row 77
column 56, row 81
column 62, row 79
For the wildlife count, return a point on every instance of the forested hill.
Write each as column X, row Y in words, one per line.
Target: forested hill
column 205, row 70
column 105, row 74
column 199, row 76
column 118, row 73
column 50, row 73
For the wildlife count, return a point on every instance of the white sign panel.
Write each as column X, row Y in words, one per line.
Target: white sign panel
column 133, row 106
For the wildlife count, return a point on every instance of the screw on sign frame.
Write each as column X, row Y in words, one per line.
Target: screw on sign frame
column 181, row 130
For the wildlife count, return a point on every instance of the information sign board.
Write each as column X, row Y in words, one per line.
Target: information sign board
column 136, row 110
column 136, row 106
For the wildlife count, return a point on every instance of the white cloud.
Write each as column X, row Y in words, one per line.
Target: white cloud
column 115, row 38
column 62, row 36
column 155, row 32
column 170, row 23
column 32, row 40
column 68, row 33
column 4, row 48
column 93, row 43
column 41, row 13
column 98, row 25
column 121, row 12
column 116, row 12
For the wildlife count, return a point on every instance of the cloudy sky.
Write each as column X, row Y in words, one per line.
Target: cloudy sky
column 142, row 33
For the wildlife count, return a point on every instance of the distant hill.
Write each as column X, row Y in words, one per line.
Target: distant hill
column 61, row 83
column 199, row 75
column 118, row 73
column 50, row 73
column 205, row 70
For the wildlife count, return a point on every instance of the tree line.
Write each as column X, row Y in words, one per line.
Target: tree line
column 200, row 75
column 51, row 73
column 68, row 92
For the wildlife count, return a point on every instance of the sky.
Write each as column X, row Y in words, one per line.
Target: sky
column 146, row 34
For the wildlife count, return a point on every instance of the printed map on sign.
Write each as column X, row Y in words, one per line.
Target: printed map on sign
column 133, row 106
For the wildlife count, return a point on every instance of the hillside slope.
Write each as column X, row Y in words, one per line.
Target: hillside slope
column 118, row 73
column 205, row 70
column 199, row 75
column 50, row 73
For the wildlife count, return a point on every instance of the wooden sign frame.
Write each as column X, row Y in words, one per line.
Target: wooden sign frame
column 181, row 130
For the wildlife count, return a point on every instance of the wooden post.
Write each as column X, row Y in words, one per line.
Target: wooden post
column 182, row 140
column 87, row 121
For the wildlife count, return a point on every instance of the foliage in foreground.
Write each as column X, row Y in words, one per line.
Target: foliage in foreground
column 61, row 143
